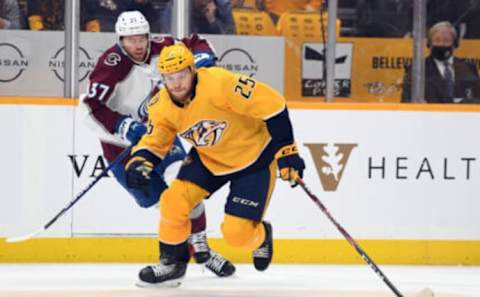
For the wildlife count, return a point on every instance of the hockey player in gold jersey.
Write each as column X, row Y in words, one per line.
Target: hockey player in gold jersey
column 240, row 133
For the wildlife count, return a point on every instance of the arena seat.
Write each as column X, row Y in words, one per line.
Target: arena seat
column 304, row 25
column 253, row 22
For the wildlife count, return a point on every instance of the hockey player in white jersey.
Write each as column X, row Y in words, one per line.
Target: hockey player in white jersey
column 124, row 79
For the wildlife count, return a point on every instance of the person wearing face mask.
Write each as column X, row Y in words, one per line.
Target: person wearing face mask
column 447, row 79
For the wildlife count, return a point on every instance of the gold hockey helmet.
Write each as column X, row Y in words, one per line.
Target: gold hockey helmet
column 174, row 58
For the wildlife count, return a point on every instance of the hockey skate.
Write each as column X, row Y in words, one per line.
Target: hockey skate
column 262, row 256
column 171, row 270
column 204, row 255
column 219, row 265
column 199, row 246
column 166, row 274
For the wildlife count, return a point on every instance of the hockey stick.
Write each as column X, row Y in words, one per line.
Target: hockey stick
column 424, row 293
column 117, row 160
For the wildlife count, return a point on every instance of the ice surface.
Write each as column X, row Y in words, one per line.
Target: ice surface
column 106, row 280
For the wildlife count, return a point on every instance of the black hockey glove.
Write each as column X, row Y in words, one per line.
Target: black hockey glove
column 290, row 164
column 138, row 171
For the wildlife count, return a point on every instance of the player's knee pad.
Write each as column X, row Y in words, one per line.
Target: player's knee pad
column 176, row 203
column 241, row 232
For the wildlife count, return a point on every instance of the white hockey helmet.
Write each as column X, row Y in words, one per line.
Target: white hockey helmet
column 131, row 23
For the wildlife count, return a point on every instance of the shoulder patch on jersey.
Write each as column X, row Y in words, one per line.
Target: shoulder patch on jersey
column 205, row 133
column 112, row 59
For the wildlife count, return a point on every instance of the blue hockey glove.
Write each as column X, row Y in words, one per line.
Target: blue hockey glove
column 130, row 130
column 290, row 164
column 138, row 171
column 204, row 59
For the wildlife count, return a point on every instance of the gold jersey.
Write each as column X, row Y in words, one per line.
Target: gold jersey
column 225, row 121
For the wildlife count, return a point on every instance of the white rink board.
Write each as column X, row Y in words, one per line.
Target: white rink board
column 40, row 179
column 36, row 182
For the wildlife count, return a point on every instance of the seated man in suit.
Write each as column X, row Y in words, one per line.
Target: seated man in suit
column 447, row 79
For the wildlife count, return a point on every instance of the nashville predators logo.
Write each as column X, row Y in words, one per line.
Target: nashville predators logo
column 205, row 133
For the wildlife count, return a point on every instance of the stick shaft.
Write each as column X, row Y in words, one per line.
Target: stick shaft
column 349, row 238
column 117, row 160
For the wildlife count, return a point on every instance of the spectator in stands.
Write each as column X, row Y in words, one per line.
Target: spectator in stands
column 49, row 14
column 444, row 10
column 463, row 14
column 10, row 15
column 447, row 79
column 45, row 15
column 384, row 18
column 470, row 18
column 107, row 12
column 22, row 4
column 212, row 17
column 154, row 11
column 207, row 17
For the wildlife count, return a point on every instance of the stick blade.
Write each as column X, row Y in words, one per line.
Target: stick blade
column 426, row 292
column 15, row 239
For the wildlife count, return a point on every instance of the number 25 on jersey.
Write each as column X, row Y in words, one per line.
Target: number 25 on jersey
column 245, row 87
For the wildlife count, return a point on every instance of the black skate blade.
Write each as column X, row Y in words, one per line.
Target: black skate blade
column 174, row 283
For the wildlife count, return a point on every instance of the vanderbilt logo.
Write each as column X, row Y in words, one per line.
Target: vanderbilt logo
column 205, row 133
column 330, row 161
column 91, row 165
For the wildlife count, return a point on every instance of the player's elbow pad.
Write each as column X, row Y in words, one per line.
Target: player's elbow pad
column 280, row 128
